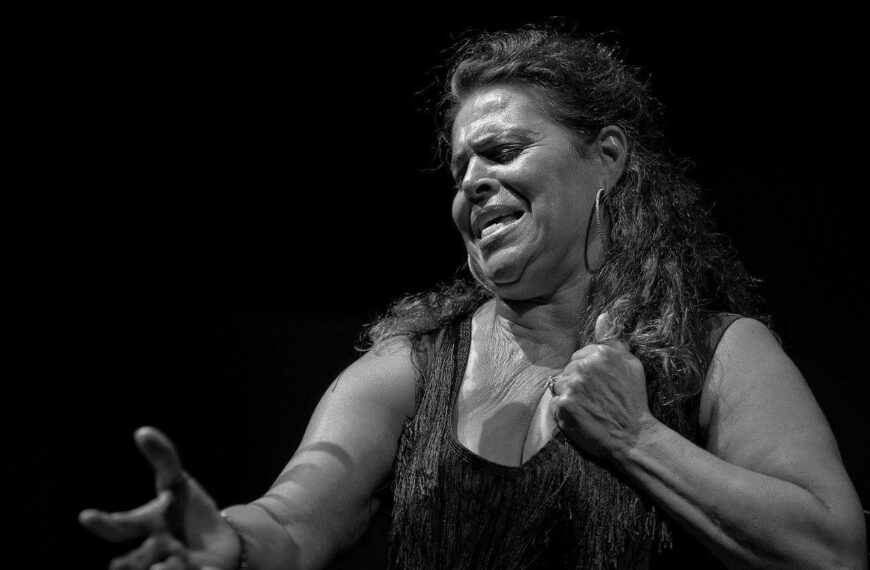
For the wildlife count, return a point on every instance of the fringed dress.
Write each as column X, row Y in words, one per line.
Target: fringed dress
column 562, row 508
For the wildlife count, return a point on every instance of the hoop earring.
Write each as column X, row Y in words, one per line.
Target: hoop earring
column 599, row 229
column 602, row 236
column 477, row 277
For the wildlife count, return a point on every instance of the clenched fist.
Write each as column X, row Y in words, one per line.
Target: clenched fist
column 600, row 397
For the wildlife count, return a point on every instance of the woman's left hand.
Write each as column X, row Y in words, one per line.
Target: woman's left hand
column 600, row 397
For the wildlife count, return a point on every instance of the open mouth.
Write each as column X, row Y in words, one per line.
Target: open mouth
column 494, row 225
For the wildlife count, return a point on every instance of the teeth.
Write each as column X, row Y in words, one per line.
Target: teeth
column 498, row 223
column 490, row 229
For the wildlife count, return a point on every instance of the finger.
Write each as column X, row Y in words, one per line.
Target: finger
column 557, row 386
column 151, row 551
column 117, row 527
column 605, row 334
column 161, row 454
column 171, row 563
column 556, row 411
column 585, row 351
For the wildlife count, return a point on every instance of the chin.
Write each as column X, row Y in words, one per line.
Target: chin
column 519, row 284
column 501, row 272
column 507, row 270
column 509, row 283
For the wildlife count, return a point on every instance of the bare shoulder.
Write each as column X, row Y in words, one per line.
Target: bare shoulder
column 389, row 366
column 385, row 374
column 758, row 412
column 751, row 378
column 363, row 411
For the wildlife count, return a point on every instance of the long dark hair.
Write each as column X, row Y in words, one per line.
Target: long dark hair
column 666, row 270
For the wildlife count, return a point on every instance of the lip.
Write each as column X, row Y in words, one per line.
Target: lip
column 482, row 217
column 486, row 242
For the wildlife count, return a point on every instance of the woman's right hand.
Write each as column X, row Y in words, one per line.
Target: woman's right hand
column 182, row 527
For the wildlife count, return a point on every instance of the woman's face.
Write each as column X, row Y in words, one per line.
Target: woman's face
column 524, row 193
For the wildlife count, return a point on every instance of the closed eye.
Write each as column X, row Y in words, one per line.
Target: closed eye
column 500, row 154
column 503, row 154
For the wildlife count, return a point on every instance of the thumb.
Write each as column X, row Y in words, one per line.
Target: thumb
column 119, row 527
column 161, row 454
column 602, row 327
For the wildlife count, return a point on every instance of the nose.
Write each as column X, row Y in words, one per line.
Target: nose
column 478, row 184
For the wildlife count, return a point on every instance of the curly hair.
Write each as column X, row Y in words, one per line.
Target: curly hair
column 666, row 271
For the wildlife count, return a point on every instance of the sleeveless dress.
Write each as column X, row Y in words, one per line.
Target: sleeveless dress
column 562, row 508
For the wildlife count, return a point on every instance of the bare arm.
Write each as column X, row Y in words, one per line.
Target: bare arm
column 769, row 490
column 323, row 500
column 320, row 504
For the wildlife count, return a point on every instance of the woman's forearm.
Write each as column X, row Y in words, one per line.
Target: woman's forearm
column 745, row 518
column 286, row 534
column 268, row 545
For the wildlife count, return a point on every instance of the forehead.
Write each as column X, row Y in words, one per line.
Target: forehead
column 498, row 108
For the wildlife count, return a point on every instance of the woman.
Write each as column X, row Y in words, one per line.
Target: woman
column 604, row 388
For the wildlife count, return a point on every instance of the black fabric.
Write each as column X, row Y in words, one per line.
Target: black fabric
column 453, row 509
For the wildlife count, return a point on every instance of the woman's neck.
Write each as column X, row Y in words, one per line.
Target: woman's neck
column 545, row 331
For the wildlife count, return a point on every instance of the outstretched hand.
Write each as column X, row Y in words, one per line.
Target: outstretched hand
column 182, row 527
column 600, row 397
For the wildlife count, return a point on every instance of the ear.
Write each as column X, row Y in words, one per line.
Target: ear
column 612, row 146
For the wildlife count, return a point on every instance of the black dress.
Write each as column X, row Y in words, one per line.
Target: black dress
column 562, row 508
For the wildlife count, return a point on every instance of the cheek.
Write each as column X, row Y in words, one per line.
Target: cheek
column 565, row 221
column 460, row 213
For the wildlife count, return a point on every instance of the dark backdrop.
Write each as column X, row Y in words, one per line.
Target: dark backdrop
column 207, row 209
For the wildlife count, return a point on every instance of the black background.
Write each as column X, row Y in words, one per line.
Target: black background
column 205, row 209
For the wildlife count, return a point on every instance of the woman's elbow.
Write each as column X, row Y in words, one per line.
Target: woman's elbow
column 845, row 541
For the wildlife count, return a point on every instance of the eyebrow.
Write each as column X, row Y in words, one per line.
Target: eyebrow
column 461, row 157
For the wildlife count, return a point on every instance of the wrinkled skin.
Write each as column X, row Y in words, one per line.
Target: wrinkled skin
column 600, row 397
